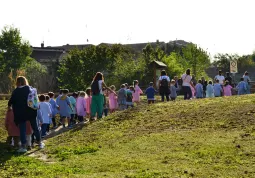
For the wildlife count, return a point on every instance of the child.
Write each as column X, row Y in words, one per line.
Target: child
column 88, row 102
column 217, row 89
column 14, row 132
column 173, row 90
column 48, row 101
column 129, row 102
column 150, row 92
column 241, row 87
column 227, row 89
column 81, row 106
column 112, row 100
column 199, row 89
column 193, row 91
column 209, row 90
column 64, row 104
column 137, row 92
column 45, row 109
column 12, row 129
column 122, row 98
column 73, row 111
column 54, row 108
column 105, row 105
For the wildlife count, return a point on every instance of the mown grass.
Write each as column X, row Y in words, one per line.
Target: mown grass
column 198, row 138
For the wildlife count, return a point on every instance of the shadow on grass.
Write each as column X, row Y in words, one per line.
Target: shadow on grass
column 61, row 130
column 6, row 153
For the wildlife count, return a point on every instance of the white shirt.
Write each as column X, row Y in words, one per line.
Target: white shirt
column 100, row 86
column 221, row 79
column 164, row 77
column 186, row 80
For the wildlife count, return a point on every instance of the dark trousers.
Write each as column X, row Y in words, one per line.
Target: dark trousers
column 54, row 121
column 80, row 118
column 22, row 128
column 44, row 129
column 172, row 98
column 151, row 101
column 163, row 96
column 105, row 112
column 73, row 118
column 187, row 92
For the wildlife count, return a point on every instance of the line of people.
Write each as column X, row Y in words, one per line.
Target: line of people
column 222, row 86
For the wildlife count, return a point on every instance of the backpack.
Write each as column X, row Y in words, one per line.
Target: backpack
column 32, row 100
column 95, row 88
column 164, row 83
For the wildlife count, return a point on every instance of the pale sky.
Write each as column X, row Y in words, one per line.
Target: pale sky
column 221, row 26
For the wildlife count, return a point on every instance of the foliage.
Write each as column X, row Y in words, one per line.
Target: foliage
column 243, row 62
column 195, row 58
column 174, row 67
column 14, row 55
column 14, row 52
column 116, row 62
column 33, row 71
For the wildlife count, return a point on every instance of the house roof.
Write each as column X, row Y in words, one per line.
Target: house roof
column 159, row 64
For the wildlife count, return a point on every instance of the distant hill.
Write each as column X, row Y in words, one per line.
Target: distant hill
column 137, row 47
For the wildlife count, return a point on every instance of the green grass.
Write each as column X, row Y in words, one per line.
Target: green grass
column 198, row 138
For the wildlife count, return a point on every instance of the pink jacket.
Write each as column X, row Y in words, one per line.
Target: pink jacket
column 11, row 127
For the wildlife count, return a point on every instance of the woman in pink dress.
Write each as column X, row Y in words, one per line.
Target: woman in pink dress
column 88, row 100
column 137, row 92
column 81, row 106
column 227, row 89
column 113, row 104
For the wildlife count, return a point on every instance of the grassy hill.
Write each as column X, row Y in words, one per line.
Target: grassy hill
column 197, row 138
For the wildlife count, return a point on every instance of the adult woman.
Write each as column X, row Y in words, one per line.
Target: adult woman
column 247, row 81
column 186, row 84
column 23, row 111
column 97, row 102
column 164, row 83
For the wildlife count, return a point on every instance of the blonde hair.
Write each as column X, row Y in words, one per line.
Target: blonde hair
column 21, row 80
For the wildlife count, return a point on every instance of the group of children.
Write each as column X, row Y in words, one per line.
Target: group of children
column 217, row 89
column 77, row 107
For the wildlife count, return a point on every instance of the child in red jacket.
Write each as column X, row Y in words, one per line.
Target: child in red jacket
column 13, row 130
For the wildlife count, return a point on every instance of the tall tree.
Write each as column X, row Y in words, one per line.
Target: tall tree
column 196, row 58
column 14, row 50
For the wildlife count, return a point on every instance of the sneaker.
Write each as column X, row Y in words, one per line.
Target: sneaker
column 22, row 150
column 70, row 127
column 41, row 145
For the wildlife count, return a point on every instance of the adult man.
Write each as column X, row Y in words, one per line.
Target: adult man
column 220, row 77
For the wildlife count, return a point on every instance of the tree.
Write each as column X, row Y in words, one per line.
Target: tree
column 14, row 54
column 195, row 58
column 174, row 68
column 34, row 71
column 243, row 62
column 14, row 51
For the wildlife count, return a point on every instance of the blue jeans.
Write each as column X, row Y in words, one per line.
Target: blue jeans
column 22, row 128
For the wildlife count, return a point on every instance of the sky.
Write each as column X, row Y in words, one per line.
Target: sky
column 218, row 26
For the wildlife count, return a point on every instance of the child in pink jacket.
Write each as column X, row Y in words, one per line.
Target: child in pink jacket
column 137, row 92
column 227, row 89
column 88, row 102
